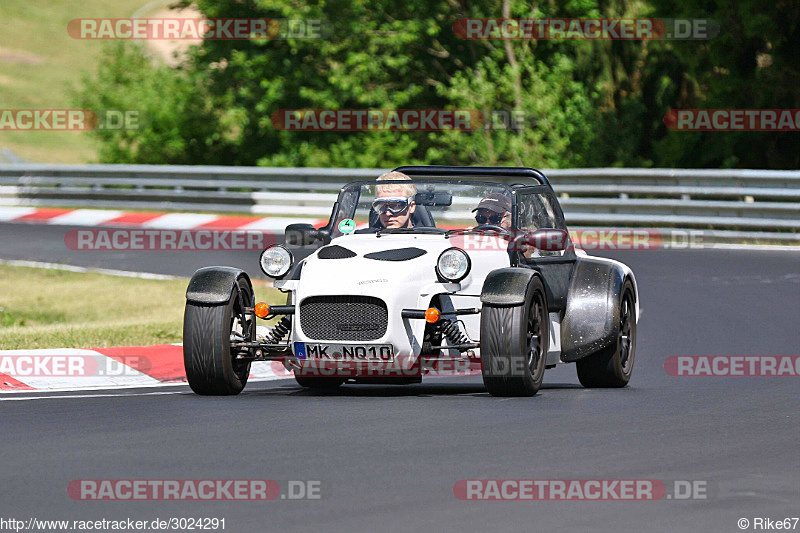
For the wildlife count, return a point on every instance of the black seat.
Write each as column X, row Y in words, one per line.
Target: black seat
column 422, row 217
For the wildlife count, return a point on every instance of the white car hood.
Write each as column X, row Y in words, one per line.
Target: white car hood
column 362, row 276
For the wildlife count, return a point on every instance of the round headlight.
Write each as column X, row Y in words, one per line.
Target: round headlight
column 453, row 264
column 276, row 261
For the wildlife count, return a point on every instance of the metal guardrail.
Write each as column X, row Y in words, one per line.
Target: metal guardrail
column 736, row 204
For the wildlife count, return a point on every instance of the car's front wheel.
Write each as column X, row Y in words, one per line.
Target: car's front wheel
column 212, row 365
column 613, row 365
column 514, row 344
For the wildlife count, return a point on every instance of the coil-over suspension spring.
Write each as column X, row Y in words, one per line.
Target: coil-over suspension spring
column 276, row 334
column 450, row 330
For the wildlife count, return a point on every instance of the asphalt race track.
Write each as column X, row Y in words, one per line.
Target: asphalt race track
column 388, row 457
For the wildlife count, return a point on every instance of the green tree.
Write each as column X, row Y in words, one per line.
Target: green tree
column 385, row 55
column 754, row 63
column 585, row 103
column 178, row 120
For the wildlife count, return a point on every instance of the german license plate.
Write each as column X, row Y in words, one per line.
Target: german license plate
column 344, row 352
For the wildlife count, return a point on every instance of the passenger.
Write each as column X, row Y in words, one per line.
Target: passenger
column 495, row 209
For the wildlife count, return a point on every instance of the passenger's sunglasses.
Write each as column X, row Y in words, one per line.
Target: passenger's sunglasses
column 392, row 205
column 494, row 219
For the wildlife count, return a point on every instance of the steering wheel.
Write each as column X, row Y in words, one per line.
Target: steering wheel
column 491, row 227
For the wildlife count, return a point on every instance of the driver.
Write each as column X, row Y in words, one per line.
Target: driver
column 495, row 209
column 394, row 203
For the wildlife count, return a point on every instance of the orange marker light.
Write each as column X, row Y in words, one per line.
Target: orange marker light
column 432, row 315
column 261, row 309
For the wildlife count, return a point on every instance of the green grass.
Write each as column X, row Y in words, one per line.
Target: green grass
column 42, row 308
column 40, row 64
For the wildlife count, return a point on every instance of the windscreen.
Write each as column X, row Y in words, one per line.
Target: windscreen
column 421, row 205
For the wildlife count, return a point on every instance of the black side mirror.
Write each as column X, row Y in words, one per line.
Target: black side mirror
column 547, row 240
column 300, row 235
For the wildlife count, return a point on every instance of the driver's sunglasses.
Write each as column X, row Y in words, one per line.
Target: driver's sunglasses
column 393, row 205
column 494, row 219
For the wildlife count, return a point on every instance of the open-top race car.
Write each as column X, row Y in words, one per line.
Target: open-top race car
column 425, row 268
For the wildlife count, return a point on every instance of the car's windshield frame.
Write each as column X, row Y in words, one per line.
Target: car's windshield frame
column 347, row 200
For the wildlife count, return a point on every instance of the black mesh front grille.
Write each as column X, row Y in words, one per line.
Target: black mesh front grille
column 396, row 254
column 344, row 318
column 335, row 252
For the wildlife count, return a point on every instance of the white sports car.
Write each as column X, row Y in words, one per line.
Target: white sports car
column 441, row 268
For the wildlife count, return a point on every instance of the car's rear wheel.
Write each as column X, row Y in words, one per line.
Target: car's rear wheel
column 212, row 366
column 514, row 344
column 613, row 365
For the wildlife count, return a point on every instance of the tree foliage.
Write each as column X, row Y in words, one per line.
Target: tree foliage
column 178, row 121
column 584, row 103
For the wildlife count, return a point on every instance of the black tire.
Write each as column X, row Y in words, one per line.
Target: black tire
column 612, row 366
column 210, row 362
column 514, row 344
column 318, row 383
